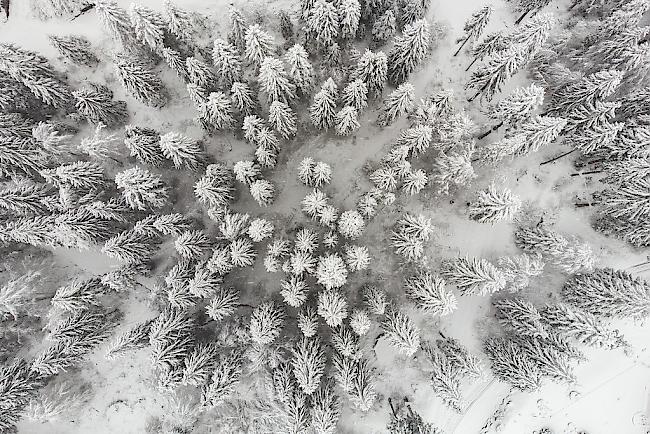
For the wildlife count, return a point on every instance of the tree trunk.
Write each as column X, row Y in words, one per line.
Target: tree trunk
column 488, row 132
column 479, row 92
column 557, row 158
column 83, row 11
column 591, row 172
column 582, row 205
column 574, row 4
column 521, row 18
column 392, row 409
column 470, row 65
column 461, row 46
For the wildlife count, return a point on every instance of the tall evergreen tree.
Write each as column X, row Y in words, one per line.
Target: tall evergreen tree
column 372, row 69
column 141, row 189
column 238, row 27
column 140, row 82
column 143, row 143
column 75, row 48
column 274, row 81
column 323, row 23
column 259, row 45
column 227, row 63
column 282, row 119
column 95, row 103
column 149, row 26
column 398, row 103
column 474, row 26
column 323, row 110
column 116, row 20
column 409, row 51
column 473, row 276
column 489, row 79
column 182, row 150
column 349, row 16
column 491, row 43
column 301, row 72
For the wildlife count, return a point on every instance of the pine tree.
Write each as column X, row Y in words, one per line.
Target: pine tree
column 266, row 323
column 401, row 332
column 473, row 276
column 80, row 174
column 274, row 81
column 375, row 299
column 77, row 296
column 519, row 269
column 533, row 33
column 475, row 25
column 351, row 224
column 225, row 378
column 332, row 306
column 35, row 73
column 238, row 26
column 286, row 26
column 223, row 304
column 346, row 122
column 384, row 28
column 494, row 205
column 75, row 48
column 140, row 82
column 331, row 271
column 349, row 16
column 227, row 63
column 608, row 293
column 454, row 169
column 192, row 244
column 322, row 174
column 325, row 409
column 141, row 189
column 518, row 106
column 130, row 247
column 491, row 43
column 134, row 338
column 182, row 150
column 355, row 94
column 588, row 90
column 200, row 73
column 428, row 292
column 149, row 26
column 258, row 44
column 299, row 263
column 217, row 111
column 581, row 326
column 116, row 20
column 78, row 228
column 323, row 23
column 242, row 253
column 444, row 379
column 262, row 191
column 372, row 69
column 301, row 72
column 489, row 79
column 308, row 364
column 323, row 110
column 398, row 103
column 282, row 119
column 242, row 98
column 198, row 95
column 216, row 187
column 179, row 21
column 409, row 51
column 520, row 316
column 510, row 364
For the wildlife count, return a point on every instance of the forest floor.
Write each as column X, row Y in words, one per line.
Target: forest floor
column 612, row 394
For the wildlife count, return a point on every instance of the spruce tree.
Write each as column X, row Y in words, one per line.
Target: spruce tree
column 519, row 269
column 183, row 151
column 520, row 316
column 141, row 189
column 398, row 103
column 323, row 23
column 491, row 43
column 179, row 21
column 238, row 27
column 323, row 110
column 473, row 276
column 489, row 79
column 266, row 323
column 588, row 90
column 355, row 94
column 116, row 20
column 401, row 332
column 301, row 71
column 225, row 378
column 325, row 409
column 217, row 112
column 331, row 271
column 528, row 6
column 372, row 69
column 409, row 51
column 474, row 26
column 539, row 132
column 149, row 26
column 384, row 28
column 263, row 191
column 95, row 103
column 428, row 292
column 175, row 61
column 200, row 73
column 308, row 362
column 74, row 48
column 282, row 119
column 259, row 45
column 517, row 107
column 533, row 33
column 143, row 143
column 27, row 199
column 274, row 81
column 80, row 174
column 140, row 82
column 494, row 205
column 130, row 247
column 349, row 14
column 453, row 169
column 227, row 63
column 346, row 122
column 511, row 365
column 243, row 99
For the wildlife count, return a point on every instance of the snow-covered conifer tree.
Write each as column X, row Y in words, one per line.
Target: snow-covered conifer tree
column 323, row 23
column 217, row 111
column 246, row 171
column 141, row 189
column 401, row 332
column 372, row 69
column 533, row 33
column 326, row 409
column 351, row 224
column 360, row 322
column 80, row 174
column 75, row 48
column 520, row 316
column 179, row 21
column 519, row 269
column 175, row 61
column 266, row 323
column 258, row 43
column 398, row 103
column 221, row 261
column 414, row 182
column 308, row 364
column 301, row 71
column 192, row 244
column 149, row 26
column 262, row 191
column 171, row 224
column 346, row 121
column 491, row 43
column 384, row 28
column 242, row 98
column 242, row 253
column 308, row 322
column 489, row 79
column 227, row 63
column 454, row 169
column 428, row 292
column 223, row 304
column 331, row 271
column 130, row 247
column 274, row 81
column 588, row 90
column 294, row 291
column 282, row 119
column 323, row 110
column 409, row 51
column 474, row 26
column 355, row 94
column 473, row 276
column 375, row 299
column 349, row 15
column 332, row 306
column 116, row 20
column 182, row 150
column 260, row 229
column 518, row 106
column 140, row 82
column 225, row 377
column 357, row 257
column 511, row 365
column 200, row 73
column 494, row 205
column 385, row 178
column 216, row 187
column 238, row 28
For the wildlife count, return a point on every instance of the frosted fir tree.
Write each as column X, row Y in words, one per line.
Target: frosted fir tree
column 600, row 136
column 192, row 244
column 306, row 170
column 251, row 127
column 216, row 187
column 504, row 148
column 414, row 182
column 330, row 239
column 608, row 293
column 149, row 26
column 428, row 292
column 130, row 247
column 200, row 73
column 520, row 316
column 323, row 110
column 326, row 409
column 116, row 20
column 351, row 224
column 519, row 269
column 511, row 365
column 473, row 276
column 283, row 119
column 323, row 23
column 79, row 295
column 491, row 43
column 182, row 150
column 171, row 224
column 223, row 304
column 25, row 199
column 494, row 205
column 133, row 338
column 397, row 104
column 198, row 364
column 35, row 73
column 227, row 63
column 259, row 45
column 346, row 343
column 407, row 421
column 367, row 205
column 331, row 271
column 80, row 174
column 217, row 111
column 308, row 322
column 259, row 229
column 36, row 231
column 266, row 323
column 99, row 146
column 453, row 169
column 593, row 87
column 569, row 256
column 198, row 95
column 204, row 283
column 234, row 225
column 294, row 291
column 327, row 216
column 465, row 363
column 243, row 99
column 306, row 241
column 242, row 253
column 274, row 81
column 517, row 107
column 332, row 307
column 180, row 22
column 384, row 28
column 349, row 16
column 371, row 69
column 444, row 379
column 74, row 48
column 474, row 26
column 221, row 262
column 417, row 139
column 355, row 94
column 322, row 174
column 400, row 332
column 584, row 327
column 301, row 71
column 286, row 26
column 409, row 51
column 408, row 246
column 308, row 362
column 263, row 192
column 534, row 32
column 238, row 28
column 246, row 171
column 140, row 82
column 141, row 189
column 357, row 257
column 490, row 78
column 225, row 378
column 346, row 121
column 385, row 178
column 175, row 61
